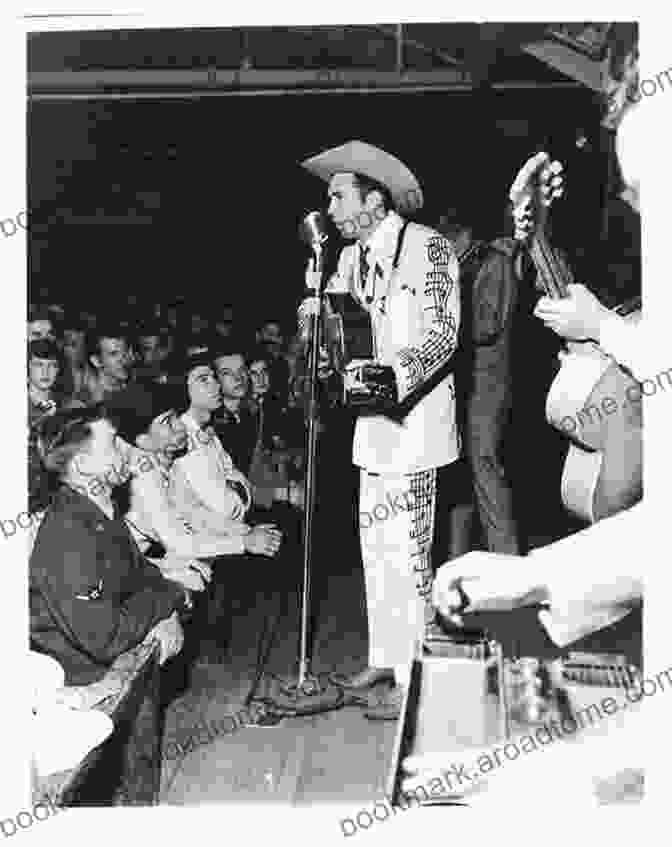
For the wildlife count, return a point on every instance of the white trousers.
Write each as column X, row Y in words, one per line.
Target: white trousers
column 396, row 527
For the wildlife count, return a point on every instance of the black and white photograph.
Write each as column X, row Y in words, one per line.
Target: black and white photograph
column 337, row 357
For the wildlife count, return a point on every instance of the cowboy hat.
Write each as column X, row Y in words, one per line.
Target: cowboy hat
column 363, row 158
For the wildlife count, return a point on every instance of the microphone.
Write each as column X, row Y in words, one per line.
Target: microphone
column 313, row 229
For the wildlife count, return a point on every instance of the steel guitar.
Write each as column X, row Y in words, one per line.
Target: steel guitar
column 465, row 697
column 590, row 399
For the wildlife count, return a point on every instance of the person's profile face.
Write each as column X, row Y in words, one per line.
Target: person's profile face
column 203, row 387
column 345, row 204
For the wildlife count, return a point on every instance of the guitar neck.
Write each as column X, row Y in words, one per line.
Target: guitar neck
column 555, row 276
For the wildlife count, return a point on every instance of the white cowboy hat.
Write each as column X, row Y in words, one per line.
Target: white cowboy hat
column 363, row 158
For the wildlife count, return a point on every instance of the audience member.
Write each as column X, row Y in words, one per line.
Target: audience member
column 270, row 336
column 92, row 594
column 211, row 493
column 77, row 374
column 233, row 421
column 40, row 324
column 161, row 438
column 154, row 348
column 224, row 323
column 111, row 359
column 44, row 365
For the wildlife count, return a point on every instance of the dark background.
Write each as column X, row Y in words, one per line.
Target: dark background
column 203, row 197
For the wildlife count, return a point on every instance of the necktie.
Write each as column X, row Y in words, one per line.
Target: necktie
column 363, row 266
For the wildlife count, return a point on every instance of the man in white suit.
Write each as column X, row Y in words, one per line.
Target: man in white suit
column 406, row 277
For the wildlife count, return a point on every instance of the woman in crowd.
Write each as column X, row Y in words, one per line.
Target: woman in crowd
column 93, row 596
column 213, row 496
column 209, row 491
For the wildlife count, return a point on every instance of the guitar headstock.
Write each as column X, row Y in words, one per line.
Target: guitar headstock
column 538, row 184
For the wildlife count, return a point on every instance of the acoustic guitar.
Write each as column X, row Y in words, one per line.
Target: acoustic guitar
column 593, row 400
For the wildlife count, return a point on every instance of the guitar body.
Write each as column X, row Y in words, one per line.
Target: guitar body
column 593, row 401
column 598, row 406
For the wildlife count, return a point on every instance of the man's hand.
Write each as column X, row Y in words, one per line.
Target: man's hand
column 490, row 581
column 170, row 636
column 578, row 317
column 189, row 573
column 263, row 540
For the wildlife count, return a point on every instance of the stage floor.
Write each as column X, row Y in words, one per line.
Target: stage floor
column 337, row 757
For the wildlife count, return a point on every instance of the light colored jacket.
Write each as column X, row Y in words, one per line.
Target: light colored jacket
column 415, row 312
column 206, row 488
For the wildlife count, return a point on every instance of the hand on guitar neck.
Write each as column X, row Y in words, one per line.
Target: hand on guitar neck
column 603, row 470
column 572, row 311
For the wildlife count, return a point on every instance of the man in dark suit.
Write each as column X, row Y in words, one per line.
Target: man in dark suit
column 489, row 294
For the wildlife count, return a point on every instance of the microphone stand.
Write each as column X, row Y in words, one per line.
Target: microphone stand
column 311, row 456
column 308, row 695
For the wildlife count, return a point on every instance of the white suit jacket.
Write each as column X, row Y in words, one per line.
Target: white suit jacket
column 415, row 319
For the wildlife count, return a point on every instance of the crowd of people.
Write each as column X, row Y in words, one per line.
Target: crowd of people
column 131, row 489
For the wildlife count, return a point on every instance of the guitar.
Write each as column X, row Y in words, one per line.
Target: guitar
column 590, row 398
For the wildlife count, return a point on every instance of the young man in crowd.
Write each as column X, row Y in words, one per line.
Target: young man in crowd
column 233, row 421
column 154, row 348
column 77, row 373
column 111, row 358
column 270, row 337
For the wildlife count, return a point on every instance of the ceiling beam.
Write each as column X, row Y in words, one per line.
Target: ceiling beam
column 570, row 62
column 214, row 79
column 424, row 48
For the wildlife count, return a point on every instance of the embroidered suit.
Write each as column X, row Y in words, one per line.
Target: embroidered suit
column 410, row 289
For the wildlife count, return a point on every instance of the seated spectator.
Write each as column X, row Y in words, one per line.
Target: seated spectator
column 40, row 324
column 44, row 365
column 198, row 328
column 270, row 336
column 211, row 493
column 153, row 348
column 224, row 323
column 214, row 497
column 233, row 421
column 77, row 373
column 111, row 359
column 93, row 596
column 271, row 462
column 153, row 516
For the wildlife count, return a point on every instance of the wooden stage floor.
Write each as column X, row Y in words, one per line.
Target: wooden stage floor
column 337, row 757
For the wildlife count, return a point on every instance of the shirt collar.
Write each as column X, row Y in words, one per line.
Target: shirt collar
column 384, row 235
